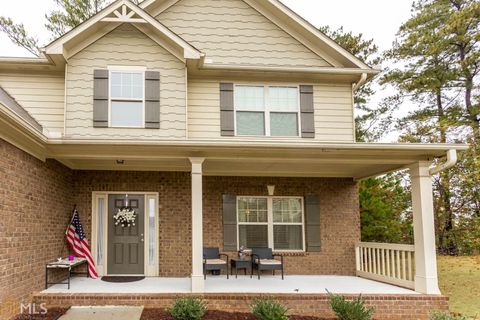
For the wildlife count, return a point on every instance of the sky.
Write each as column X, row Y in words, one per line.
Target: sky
column 376, row 19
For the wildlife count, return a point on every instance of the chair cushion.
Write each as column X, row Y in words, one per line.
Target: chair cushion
column 269, row 261
column 216, row 261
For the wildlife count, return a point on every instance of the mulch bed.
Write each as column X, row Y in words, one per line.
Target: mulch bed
column 52, row 314
column 160, row 314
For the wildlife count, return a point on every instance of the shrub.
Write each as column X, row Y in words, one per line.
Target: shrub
column 445, row 316
column 350, row 310
column 187, row 309
column 269, row 309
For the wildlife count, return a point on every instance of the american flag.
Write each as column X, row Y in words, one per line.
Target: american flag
column 76, row 239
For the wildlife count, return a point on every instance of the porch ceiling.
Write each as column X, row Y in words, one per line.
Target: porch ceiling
column 250, row 158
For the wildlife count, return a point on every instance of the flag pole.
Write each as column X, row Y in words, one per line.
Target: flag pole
column 71, row 220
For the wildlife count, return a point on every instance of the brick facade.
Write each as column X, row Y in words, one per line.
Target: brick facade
column 174, row 209
column 339, row 218
column 35, row 206
column 391, row 307
column 340, row 222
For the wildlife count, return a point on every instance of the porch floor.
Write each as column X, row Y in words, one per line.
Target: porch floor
column 220, row 284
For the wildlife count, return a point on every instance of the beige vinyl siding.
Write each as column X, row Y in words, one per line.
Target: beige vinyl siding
column 203, row 109
column 232, row 32
column 333, row 111
column 42, row 95
column 125, row 46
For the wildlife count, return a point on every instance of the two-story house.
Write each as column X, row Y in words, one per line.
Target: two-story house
column 220, row 123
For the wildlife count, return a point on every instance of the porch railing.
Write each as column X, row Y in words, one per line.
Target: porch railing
column 385, row 262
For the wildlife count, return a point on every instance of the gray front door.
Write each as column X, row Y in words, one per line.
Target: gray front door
column 126, row 244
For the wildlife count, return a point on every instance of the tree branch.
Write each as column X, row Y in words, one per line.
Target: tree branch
column 17, row 34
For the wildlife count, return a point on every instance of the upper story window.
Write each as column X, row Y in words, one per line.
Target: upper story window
column 267, row 111
column 127, row 98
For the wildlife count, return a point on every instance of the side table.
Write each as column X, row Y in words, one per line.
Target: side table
column 237, row 263
column 66, row 265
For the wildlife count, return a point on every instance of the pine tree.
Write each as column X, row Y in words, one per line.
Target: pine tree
column 432, row 76
column 370, row 121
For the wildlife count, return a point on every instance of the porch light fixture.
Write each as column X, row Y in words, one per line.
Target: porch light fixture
column 120, row 162
column 271, row 190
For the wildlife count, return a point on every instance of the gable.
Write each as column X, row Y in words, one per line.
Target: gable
column 125, row 46
column 118, row 12
column 232, row 32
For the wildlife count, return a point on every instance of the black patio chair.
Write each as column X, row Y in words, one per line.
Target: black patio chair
column 263, row 259
column 212, row 261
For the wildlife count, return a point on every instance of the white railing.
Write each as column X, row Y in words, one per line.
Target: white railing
column 385, row 262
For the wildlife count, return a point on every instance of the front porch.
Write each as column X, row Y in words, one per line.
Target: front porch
column 189, row 214
column 196, row 203
column 303, row 295
column 243, row 284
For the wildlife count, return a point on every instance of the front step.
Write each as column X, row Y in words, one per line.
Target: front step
column 391, row 306
column 102, row 313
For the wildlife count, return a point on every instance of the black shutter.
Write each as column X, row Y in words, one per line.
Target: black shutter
column 229, row 222
column 307, row 112
column 100, row 98
column 312, row 219
column 227, row 122
column 152, row 99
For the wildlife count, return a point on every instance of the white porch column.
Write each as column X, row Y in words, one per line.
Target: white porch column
column 198, row 284
column 426, row 279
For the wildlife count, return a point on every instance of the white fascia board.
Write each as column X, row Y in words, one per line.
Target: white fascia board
column 310, row 28
column 319, row 70
column 56, row 47
column 277, row 143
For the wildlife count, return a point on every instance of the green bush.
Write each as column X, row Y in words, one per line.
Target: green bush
column 350, row 310
column 187, row 309
column 445, row 316
column 269, row 309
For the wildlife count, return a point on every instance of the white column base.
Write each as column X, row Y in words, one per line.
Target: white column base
column 198, row 284
column 427, row 285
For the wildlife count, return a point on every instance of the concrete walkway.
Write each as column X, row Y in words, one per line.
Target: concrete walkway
column 103, row 313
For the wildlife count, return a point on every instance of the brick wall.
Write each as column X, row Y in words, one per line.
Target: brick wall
column 174, row 209
column 35, row 208
column 37, row 198
column 340, row 224
column 339, row 218
column 391, row 307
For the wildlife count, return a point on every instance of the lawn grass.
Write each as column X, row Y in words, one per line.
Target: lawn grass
column 459, row 279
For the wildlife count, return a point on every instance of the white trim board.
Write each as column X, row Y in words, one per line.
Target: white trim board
column 58, row 45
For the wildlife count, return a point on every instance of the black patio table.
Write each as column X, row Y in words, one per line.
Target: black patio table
column 239, row 263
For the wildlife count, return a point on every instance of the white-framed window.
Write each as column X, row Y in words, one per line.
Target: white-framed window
column 127, row 97
column 267, row 110
column 273, row 222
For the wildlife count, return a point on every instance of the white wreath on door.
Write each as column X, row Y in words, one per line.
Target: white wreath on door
column 125, row 217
